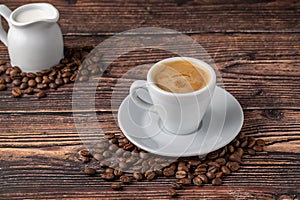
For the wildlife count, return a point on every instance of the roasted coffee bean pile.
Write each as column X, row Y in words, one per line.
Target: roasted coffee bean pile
column 24, row 84
column 113, row 157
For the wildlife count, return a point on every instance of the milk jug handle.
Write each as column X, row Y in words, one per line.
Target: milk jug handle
column 4, row 12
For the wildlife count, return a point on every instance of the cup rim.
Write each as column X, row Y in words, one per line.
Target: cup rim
column 193, row 60
column 54, row 16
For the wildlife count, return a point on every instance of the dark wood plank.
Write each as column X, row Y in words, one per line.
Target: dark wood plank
column 44, row 155
column 260, row 70
column 279, row 128
column 188, row 16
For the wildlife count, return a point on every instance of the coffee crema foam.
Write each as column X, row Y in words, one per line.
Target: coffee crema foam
column 180, row 76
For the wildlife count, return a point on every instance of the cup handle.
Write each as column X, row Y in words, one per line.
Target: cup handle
column 4, row 12
column 135, row 86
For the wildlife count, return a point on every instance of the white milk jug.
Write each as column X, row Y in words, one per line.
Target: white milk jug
column 34, row 39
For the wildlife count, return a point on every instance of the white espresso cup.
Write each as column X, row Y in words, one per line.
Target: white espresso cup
column 179, row 113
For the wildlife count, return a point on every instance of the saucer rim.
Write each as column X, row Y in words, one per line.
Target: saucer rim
column 217, row 146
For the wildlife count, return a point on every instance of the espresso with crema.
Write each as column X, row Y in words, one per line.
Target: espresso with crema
column 180, row 76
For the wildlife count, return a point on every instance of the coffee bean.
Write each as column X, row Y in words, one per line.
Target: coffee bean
column 138, row 176
column 85, row 152
column 41, row 94
column 16, row 82
column 216, row 181
column 14, row 73
column 251, row 152
column 176, row 186
column 108, row 176
column 257, row 148
column 212, row 155
column 2, row 81
column 31, row 83
column 150, row 175
column 116, row 186
column 168, row 172
column 125, row 179
column 185, row 181
column 235, row 157
column 46, row 80
column 183, row 168
column 260, row 142
column 29, row 91
column 233, row 166
column 38, row 79
column 41, row 86
column 66, row 74
column 203, row 178
column 172, row 192
column 244, row 144
column 197, row 181
column 225, row 170
column 128, row 147
column 66, row 80
column 25, row 79
column 230, row 148
column 52, row 86
column 219, row 174
column 90, row 171
column 240, row 151
column 180, row 174
column 7, row 79
column 221, row 161
column 118, row 172
column 31, row 75
column 23, row 86
column 210, row 175
column 2, row 87
column 251, row 142
column 16, row 92
column 59, row 81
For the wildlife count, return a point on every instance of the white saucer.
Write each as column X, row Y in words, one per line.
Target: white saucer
column 220, row 125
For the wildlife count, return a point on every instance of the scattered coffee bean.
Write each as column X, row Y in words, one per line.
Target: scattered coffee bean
column 138, row 176
column 197, row 180
column 16, row 92
column 108, row 176
column 2, row 87
column 168, row 172
column 41, row 94
column 125, row 179
column 23, row 86
column 150, row 175
column 172, row 192
column 180, row 174
column 16, row 82
column 90, row 171
column 216, row 181
column 225, row 170
column 176, row 186
column 185, row 181
column 116, row 186
column 85, row 152
column 257, row 148
column 260, row 142
column 118, row 172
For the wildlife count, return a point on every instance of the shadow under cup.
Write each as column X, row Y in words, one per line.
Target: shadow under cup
column 180, row 113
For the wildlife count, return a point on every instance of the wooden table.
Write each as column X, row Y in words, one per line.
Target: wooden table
column 255, row 45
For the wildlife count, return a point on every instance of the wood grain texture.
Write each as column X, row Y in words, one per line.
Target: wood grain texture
column 188, row 16
column 255, row 46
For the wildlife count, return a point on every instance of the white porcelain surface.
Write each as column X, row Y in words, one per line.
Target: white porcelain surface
column 220, row 125
column 180, row 112
column 34, row 44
